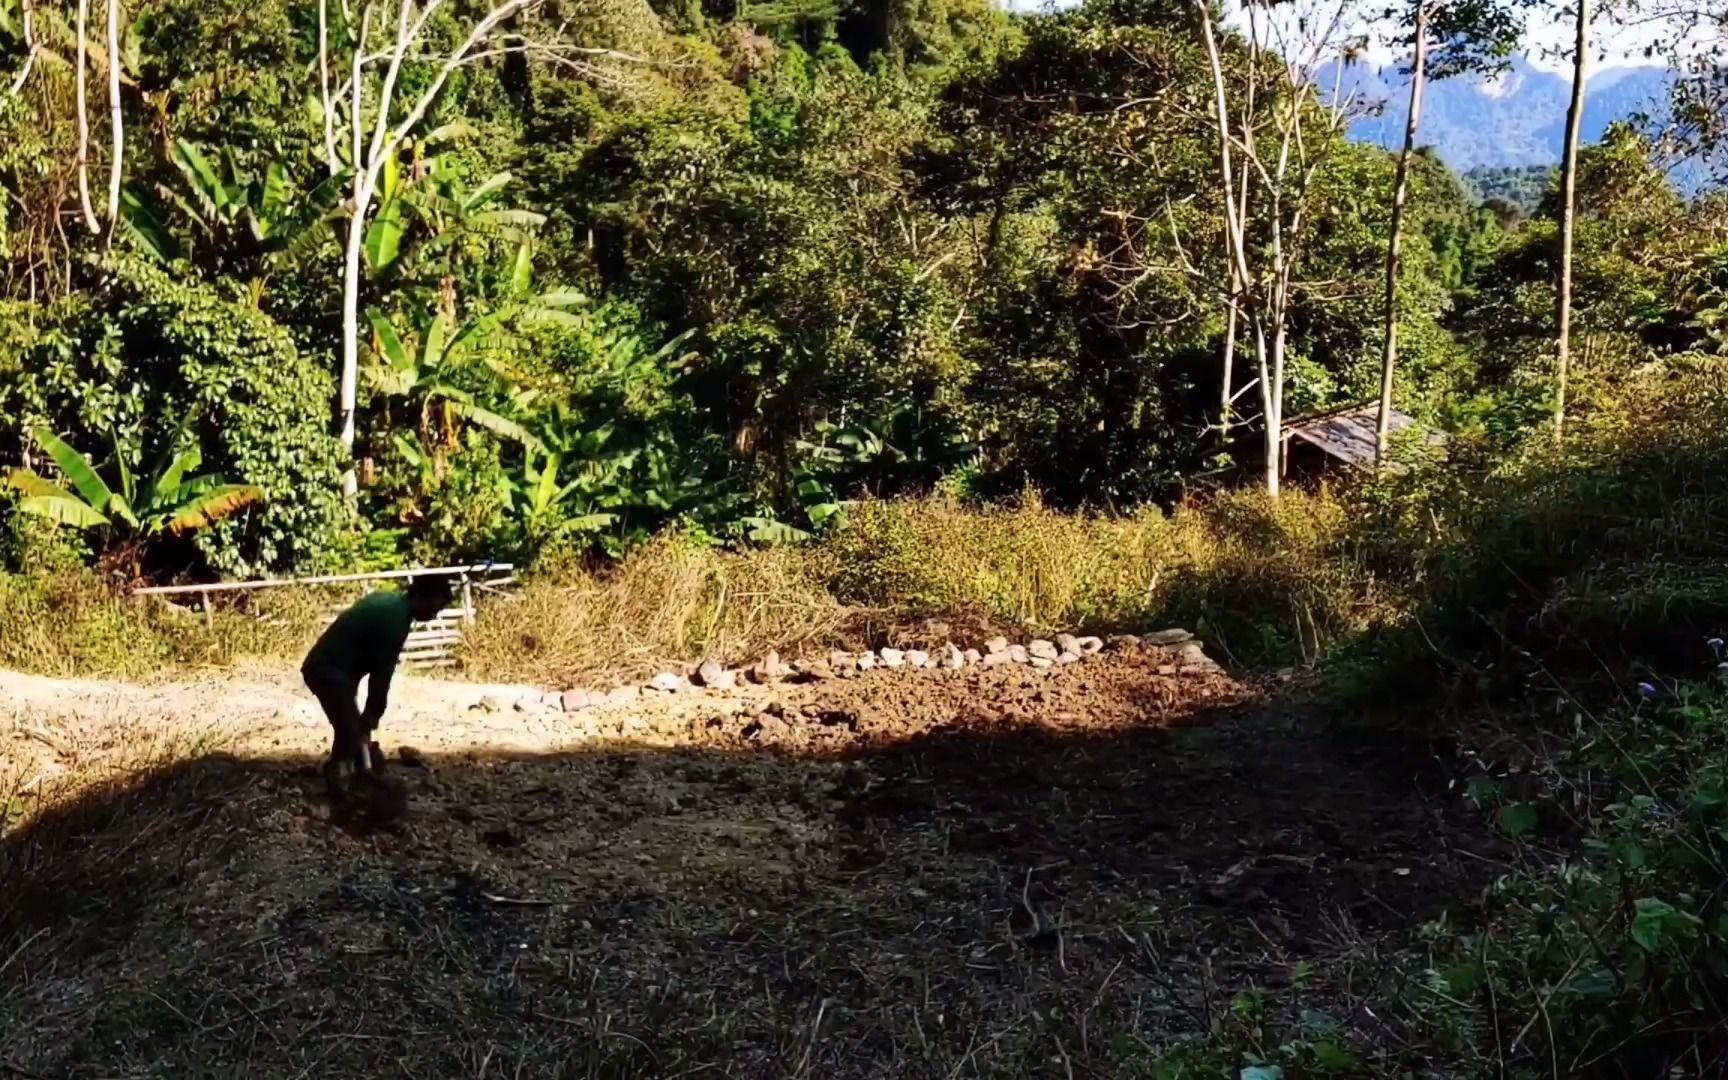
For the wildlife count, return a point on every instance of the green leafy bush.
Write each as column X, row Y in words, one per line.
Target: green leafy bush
column 1606, row 951
column 140, row 345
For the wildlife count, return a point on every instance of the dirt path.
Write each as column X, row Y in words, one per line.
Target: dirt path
column 996, row 872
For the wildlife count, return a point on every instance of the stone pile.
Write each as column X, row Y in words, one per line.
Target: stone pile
column 1178, row 651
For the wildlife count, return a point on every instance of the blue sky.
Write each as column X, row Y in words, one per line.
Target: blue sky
column 1549, row 41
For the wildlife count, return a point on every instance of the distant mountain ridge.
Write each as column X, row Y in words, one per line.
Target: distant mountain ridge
column 1512, row 119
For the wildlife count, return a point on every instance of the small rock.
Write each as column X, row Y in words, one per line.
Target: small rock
column 489, row 704
column 622, row 695
column 1068, row 658
column 866, row 661
column 1018, row 654
column 576, row 700
column 716, row 676
column 997, row 659
column 1044, row 650
column 814, row 670
column 1089, row 646
column 1166, row 669
column 893, row 658
column 667, row 682
column 1067, row 643
column 1193, row 654
column 1175, row 636
column 411, row 757
column 917, row 658
column 1043, row 662
column 996, row 644
column 769, row 668
column 952, row 658
column 973, row 656
column 1123, row 641
column 840, row 660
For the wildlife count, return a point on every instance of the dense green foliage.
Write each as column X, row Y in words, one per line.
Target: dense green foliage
column 1511, row 189
column 772, row 259
column 787, row 256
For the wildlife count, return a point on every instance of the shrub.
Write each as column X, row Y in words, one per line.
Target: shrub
column 114, row 363
column 1606, row 951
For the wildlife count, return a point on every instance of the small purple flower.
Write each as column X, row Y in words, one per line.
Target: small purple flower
column 1646, row 691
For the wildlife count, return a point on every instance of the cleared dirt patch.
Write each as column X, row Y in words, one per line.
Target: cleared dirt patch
column 999, row 872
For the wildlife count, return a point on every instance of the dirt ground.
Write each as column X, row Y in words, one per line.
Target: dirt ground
column 995, row 872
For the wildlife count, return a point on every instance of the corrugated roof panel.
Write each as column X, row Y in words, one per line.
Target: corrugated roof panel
column 1351, row 435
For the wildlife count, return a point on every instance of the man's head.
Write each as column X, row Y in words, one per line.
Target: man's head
column 427, row 596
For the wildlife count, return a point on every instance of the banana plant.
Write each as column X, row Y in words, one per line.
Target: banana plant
column 432, row 192
column 551, row 510
column 221, row 205
column 586, row 479
column 169, row 501
column 419, row 369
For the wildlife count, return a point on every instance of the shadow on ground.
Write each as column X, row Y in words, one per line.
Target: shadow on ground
column 1016, row 904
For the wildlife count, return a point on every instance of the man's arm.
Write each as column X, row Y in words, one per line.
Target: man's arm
column 378, row 681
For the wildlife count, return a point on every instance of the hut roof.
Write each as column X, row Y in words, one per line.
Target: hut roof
column 1349, row 434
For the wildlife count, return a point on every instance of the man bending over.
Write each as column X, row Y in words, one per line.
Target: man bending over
column 364, row 642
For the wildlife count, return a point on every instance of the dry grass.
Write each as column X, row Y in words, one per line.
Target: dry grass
column 670, row 601
column 1269, row 579
column 72, row 624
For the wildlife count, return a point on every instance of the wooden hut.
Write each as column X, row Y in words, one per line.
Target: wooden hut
column 1346, row 438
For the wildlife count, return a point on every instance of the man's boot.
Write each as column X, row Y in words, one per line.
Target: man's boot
column 336, row 780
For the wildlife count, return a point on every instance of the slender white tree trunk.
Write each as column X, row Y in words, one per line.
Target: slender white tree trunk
column 1242, row 278
column 1227, row 395
column 369, row 162
column 83, row 107
column 1269, row 408
column 1400, row 191
column 1228, row 376
column 348, row 393
column 348, row 390
column 331, row 157
column 28, row 9
column 1568, row 214
column 116, row 121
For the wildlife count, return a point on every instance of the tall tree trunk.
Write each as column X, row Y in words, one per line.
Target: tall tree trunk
column 116, row 122
column 1269, row 407
column 1227, row 394
column 332, row 159
column 1228, row 376
column 1568, row 215
column 348, row 394
column 1241, row 279
column 28, row 8
column 1400, row 191
column 83, row 106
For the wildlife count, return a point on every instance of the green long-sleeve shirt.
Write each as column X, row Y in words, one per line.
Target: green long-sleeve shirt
column 364, row 641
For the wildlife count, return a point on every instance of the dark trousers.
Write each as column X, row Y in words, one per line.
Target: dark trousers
column 338, row 698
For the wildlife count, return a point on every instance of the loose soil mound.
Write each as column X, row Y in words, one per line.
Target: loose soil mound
column 994, row 872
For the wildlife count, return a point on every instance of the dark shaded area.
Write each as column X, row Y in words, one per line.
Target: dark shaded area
column 968, row 903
